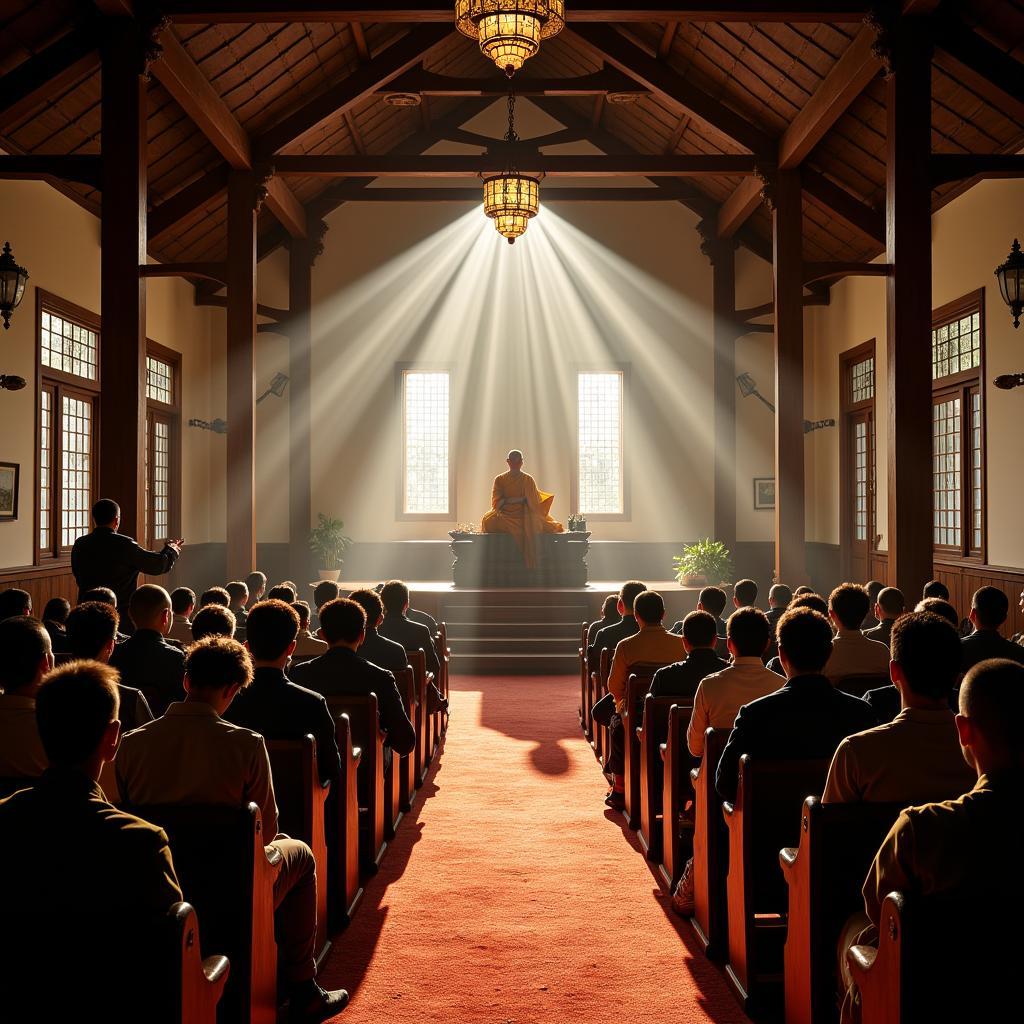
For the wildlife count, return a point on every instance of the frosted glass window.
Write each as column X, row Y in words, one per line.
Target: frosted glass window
column 860, row 480
column 68, row 346
column 862, row 380
column 45, row 469
column 946, row 434
column 425, row 401
column 956, row 346
column 76, row 467
column 159, row 380
column 600, row 443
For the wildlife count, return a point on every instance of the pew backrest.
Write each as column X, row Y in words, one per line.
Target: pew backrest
column 859, row 684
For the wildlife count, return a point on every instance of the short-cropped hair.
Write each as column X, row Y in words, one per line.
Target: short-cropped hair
column 780, row 595
column 256, row 581
column 611, row 602
column 213, row 620
column 890, row 600
column 927, row 648
column 342, row 621
column 147, row 603
column 104, row 594
column 217, row 662
column 215, row 595
column 371, row 603
column 937, row 606
column 282, row 592
column 750, row 631
column 56, row 610
column 745, row 591
column 74, row 706
column 850, row 604
column 809, row 599
column 301, row 608
column 105, row 511
column 649, row 606
column 712, row 599
column 803, row 589
column 182, row 598
column 237, row 591
column 91, row 626
column 935, row 588
column 394, row 595
column 324, row 591
column 629, row 592
column 515, row 454
column 805, row 637
column 874, row 588
column 24, row 643
column 700, row 629
column 270, row 628
column 990, row 606
column 14, row 602
column 992, row 696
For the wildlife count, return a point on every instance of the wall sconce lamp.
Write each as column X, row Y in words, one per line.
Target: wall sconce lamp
column 276, row 388
column 12, row 284
column 217, row 426
column 1009, row 381
column 748, row 387
column 1010, row 276
column 11, row 382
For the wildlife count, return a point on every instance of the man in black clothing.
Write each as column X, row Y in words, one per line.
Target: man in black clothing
column 889, row 606
column 375, row 648
column 713, row 601
column 682, row 678
column 146, row 660
column 610, row 636
column 779, row 598
column 273, row 705
column 804, row 720
column 106, row 558
column 342, row 673
column 15, row 603
column 989, row 609
column 238, row 593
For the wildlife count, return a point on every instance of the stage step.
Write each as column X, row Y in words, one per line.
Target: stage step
column 512, row 630
column 519, row 613
column 519, row 645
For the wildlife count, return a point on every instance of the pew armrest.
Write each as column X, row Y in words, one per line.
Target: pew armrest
column 215, row 969
column 787, row 860
column 860, row 960
column 662, row 748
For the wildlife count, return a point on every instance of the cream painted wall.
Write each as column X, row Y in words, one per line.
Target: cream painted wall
column 58, row 242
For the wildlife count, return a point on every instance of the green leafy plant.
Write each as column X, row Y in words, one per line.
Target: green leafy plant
column 328, row 541
column 707, row 558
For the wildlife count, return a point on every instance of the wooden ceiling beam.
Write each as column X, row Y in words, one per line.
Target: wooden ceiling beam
column 429, row 83
column 946, row 167
column 667, row 38
column 837, row 201
column 835, row 271
column 186, row 201
column 80, row 167
column 361, row 194
column 359, row 38
column 213, row 271
column 739, row 206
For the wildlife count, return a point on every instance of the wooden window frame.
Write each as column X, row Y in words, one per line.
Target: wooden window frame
column 170, row 414
column 961, row 385
column 847, row 360
column 626, row 515
column 401, row 369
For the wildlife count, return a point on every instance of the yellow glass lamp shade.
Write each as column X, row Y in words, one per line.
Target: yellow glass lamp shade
column 509, row 31
column 510, row 200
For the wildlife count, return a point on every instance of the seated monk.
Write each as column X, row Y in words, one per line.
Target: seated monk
column 519, row 508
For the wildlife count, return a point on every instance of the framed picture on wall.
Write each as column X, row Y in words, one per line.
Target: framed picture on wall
column 9, row 474
column 764, row 492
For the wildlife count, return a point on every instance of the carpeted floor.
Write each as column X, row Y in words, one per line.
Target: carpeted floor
column 509, row 897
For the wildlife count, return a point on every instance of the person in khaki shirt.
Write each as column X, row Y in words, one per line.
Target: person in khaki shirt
column 853, row 654
column 27, row 657
column 183, row 604
column 306, row 645
column 193, row 756
column 916, row 757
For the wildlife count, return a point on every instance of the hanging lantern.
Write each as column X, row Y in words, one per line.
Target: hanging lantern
column 1010, row 276
column 509, row 31
column 511, row 199
column 12, row 284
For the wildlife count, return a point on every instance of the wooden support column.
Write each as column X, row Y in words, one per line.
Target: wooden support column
column 908, row 301
column 122, row 403
column 245, row 195
column 787, row 266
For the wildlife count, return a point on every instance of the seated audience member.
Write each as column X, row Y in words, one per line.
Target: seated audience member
column 608, row 638
column 779, row 598
column 375, row 648
column 15, row 603
column 146, row 660
column 283, row 592
column 81, row 847
column 213, row 620
column 1018, row 638
column 27, row 657
column 803, row 589
column 306, row 645
column 341, row 672
column 934, row 588
column 682, row 678
column 808, row 599
column 416, row 614
column 238, row 595
column 256, row 584
column 192, row 755
column 744, row 593
column 215, row 595
column 324, row 591
column 803, row 720
column 889, row 606
column 55, row 617
column 874, row 588
column 713, row 600
column 989, row 609
column 105, row 596
column 273, row 705
column 852, row 652
column 183, row 604
column 609, row 616
column 92, row 633
column 413, row 636
column 651, row 644
column 968, row 850
column 937, row 606
column 916, row 757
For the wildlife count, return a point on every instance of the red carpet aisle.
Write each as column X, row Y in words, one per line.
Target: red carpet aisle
column 510, row 897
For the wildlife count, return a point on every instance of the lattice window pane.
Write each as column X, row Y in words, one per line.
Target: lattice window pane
column 860, row 480
column 976, row 471
column 426, row 402
column 67, row 346
column 946, row 473
column 159, row 380
column 956, row 346
column 76, row 467
column 862, row 380
column 600, row 443
column 160, row 496
column 45, row 469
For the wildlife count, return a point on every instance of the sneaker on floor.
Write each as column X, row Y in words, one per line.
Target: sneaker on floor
column 310, row 1004
column 682, row 898
column 616, row 800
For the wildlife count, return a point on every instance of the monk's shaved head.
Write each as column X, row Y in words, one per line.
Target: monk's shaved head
column 514, row 455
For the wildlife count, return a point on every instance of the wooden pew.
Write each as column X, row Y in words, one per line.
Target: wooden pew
column 825, row 874
column 639, row 682
column 194, row 984
column 584, row 685
column 764, row 818
column 366, row 734
column 710, row 851
column 676, row 789
column 858, row 685
column 301, row 797
column 598, row 688
column 444, row 655
column 224, row 868
column 424, row 743
column 651, row 738
column 406, row 768
column 343, row 889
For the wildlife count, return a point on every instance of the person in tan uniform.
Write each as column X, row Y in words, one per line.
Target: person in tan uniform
column 27, row 657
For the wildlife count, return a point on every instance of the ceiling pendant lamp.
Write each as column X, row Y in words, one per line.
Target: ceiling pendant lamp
column 509, row 31
column 511, row 199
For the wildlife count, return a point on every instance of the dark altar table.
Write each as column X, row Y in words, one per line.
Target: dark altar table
column 494, row 560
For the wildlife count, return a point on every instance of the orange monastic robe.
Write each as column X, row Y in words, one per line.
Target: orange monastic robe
column 523, row 521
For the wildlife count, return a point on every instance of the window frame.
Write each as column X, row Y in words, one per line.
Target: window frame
column 961, row 385
column 401, row 370
column 847, row 406
column 171, row 415
column 62, row 384
column 626, row 515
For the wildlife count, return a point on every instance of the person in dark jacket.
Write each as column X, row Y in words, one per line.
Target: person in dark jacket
column 273, row 705
column 412, row 636
column 712, row 600
column 804, row 720
column 609, row 616
column 989, row 609
column 106, row 558
column 147, row 660
column 889, row 606
column 682, row 678
column 55, row 618
column 342, row 673
column 375, row 648
column 609, row 637
column 14, row 603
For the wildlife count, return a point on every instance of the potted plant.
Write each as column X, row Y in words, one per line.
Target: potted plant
column 328, row 542
column 704, row 562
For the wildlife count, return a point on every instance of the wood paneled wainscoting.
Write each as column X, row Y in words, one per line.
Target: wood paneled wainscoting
column 43, row 582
